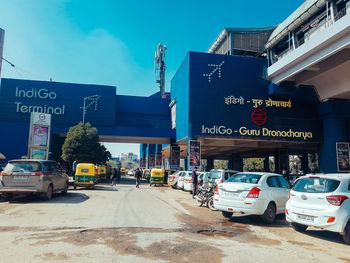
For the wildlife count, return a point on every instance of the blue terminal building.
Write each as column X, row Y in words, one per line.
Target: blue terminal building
column 261, row 92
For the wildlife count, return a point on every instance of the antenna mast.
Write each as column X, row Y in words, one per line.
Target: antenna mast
column 159, row 65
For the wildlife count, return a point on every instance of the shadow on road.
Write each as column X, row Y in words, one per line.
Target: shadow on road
column 69, row 198
column 325, row 235
column 257, row 221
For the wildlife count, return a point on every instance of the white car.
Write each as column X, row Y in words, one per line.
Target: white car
column 188, row 184
column 181, row 181
column 256, row 193
column 322, row 201
column 218, row 176
column 173, row 179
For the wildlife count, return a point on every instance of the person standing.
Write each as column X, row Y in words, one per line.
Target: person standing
column 194, row 181
column 113, row 176
column 138, row 176
column 75, row 163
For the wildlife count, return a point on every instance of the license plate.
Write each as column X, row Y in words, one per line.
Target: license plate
column 229, row 194
column 306, row 218
column 20, row 177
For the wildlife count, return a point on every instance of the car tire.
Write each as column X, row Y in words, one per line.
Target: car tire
column 49, row 193
column 227, row 214
column 65, row 190
column 269, row 214
column 299, row 227
column 75, row 187
column 174, row 186
column 346, row 235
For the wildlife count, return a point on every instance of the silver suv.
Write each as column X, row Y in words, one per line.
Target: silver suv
column 219, row 176
column 32, row 177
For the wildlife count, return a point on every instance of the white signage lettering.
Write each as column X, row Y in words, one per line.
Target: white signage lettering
column 35, row 93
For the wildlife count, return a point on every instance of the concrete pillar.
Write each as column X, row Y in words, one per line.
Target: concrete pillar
column 305, row 163
column 266, row 164
column 210, row 163
column 281, row 161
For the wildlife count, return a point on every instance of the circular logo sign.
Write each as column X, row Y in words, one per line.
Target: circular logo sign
column 42, row 117
column 259, row 117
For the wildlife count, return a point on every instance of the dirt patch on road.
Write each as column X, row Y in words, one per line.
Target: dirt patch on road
column 124, row 242
column 54, row 257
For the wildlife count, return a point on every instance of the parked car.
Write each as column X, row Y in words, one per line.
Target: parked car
column 173, row 179
column 32, row 177
column 181, row 181
column 218, row 176
column 322, row 201
column 188, row 184
column 256, row 193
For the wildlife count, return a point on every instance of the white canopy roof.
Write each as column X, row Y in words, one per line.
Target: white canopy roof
column 305, row 11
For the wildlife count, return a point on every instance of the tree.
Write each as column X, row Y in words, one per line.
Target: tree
column 253, row 164
column 83, row 144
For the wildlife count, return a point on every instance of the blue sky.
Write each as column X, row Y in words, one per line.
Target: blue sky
column 112, row 42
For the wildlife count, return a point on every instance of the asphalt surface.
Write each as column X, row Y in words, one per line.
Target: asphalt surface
column 149, row 224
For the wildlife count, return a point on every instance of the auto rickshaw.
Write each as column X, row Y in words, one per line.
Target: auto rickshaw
column 122, row 171
column 146, row 174
column 85, row 175
column 98, row 173
column 157, row 177
column 103, row 173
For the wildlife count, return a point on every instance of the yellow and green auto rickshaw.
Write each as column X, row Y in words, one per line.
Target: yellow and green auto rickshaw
column 122, row 171
column 157, row 177
column 103, row 172
column 85, row 175
column 98, row 173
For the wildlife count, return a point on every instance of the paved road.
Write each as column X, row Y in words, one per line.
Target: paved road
column 149, row 224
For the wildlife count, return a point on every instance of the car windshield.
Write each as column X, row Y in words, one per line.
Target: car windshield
column 316, row 185
column 215, row 175
column 22, row 166
column 245, row 178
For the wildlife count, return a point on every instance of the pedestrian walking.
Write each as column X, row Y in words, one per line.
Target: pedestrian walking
column 113, row 176
column 195, row 182
column 138, row 176
column 118, row 175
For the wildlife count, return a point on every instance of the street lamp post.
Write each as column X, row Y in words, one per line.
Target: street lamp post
column 93, row 100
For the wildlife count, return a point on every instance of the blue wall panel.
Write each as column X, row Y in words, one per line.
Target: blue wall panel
column 180, row 92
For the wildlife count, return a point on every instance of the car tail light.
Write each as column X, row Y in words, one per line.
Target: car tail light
column 191, row 181
column 254, row 193
column 336, row 200
column 331, row 219
column 216, row 191
column 36, row 173
column 221, row 181
column 173, row 178
column 287, row 212
column 6, row 174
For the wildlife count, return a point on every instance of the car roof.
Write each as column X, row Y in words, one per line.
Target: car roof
column 260, row 173
column 329, row 175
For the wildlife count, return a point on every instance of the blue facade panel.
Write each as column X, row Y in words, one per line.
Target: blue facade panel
column 180, row 92
column 63, row 100
column 226, row 91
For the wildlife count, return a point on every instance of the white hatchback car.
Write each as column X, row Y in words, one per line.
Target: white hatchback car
column 218, row 176
column 256, row 193
column 181, row 181
column 322, row 201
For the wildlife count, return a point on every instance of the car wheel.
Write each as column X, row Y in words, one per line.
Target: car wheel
column 49, row 193
column 174, row 186
column 65, row 190
column 210, row 204
column 270, row 214
column 299, row 227
column 346, row 235
column 227, row 214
